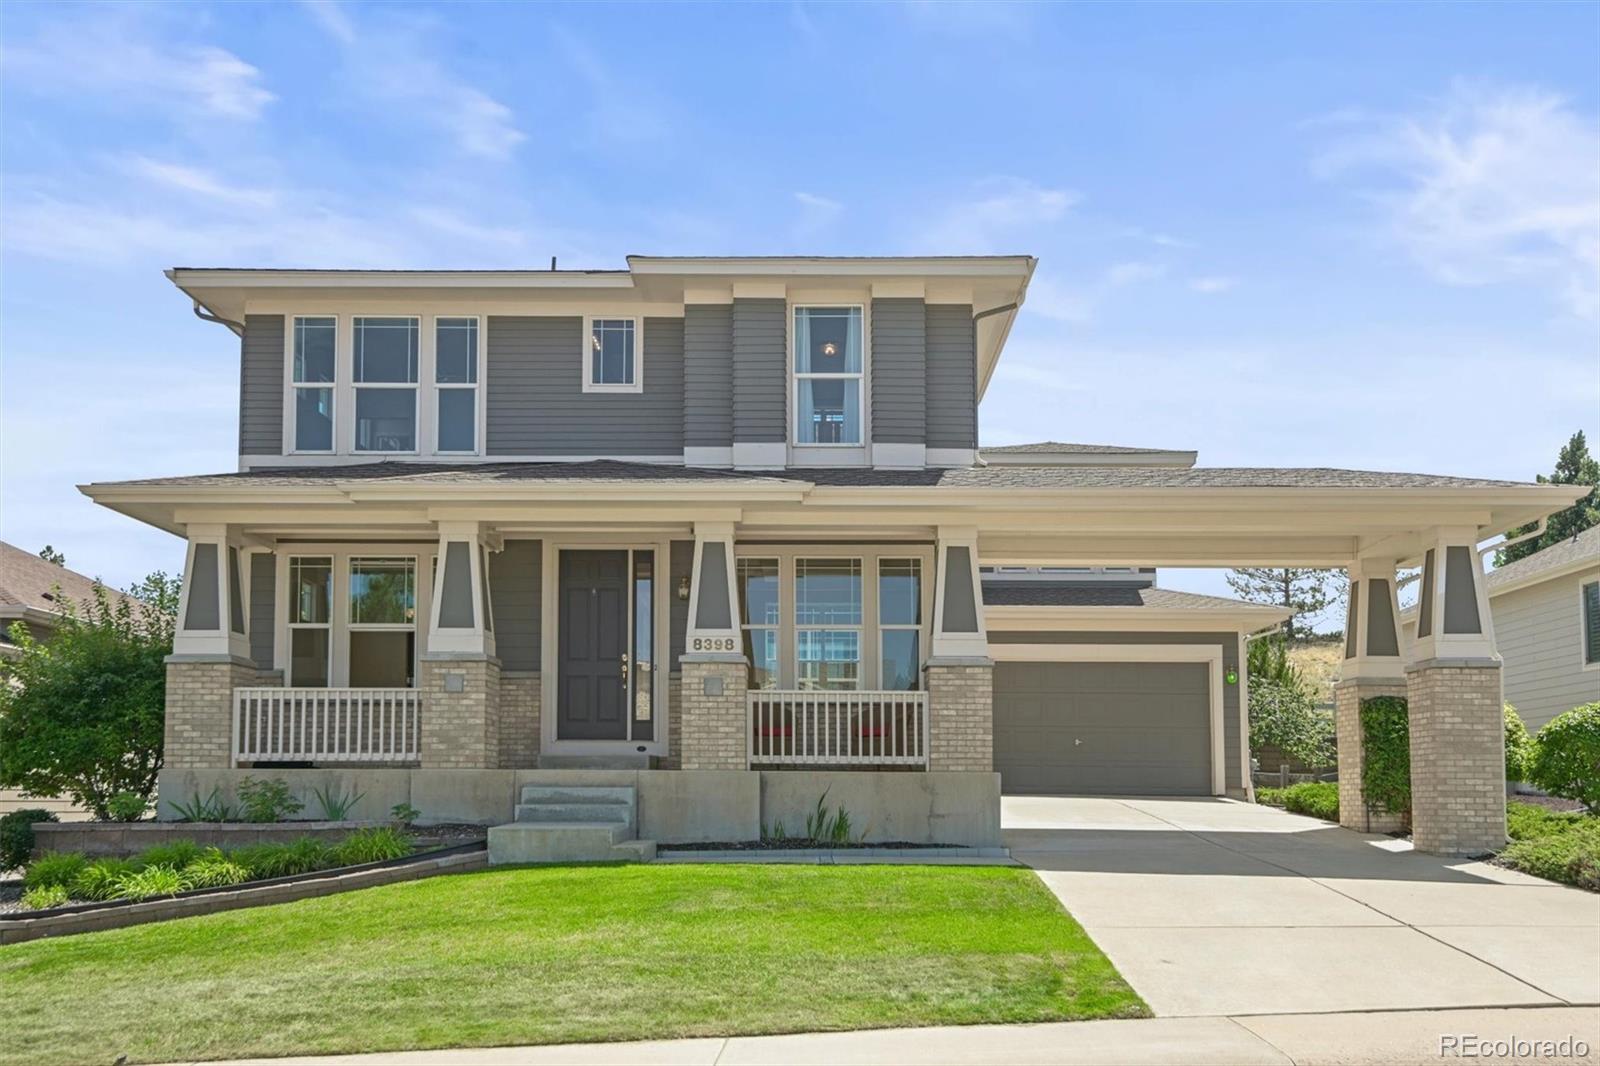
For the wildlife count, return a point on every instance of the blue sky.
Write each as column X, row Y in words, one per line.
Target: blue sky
column 1343, row 235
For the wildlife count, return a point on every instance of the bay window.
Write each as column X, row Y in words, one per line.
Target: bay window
column 384, row 369
column 828, row 375
column 455, row 382
column 314, row 372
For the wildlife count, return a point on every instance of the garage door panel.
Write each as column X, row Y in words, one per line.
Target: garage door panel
column 1116, row 728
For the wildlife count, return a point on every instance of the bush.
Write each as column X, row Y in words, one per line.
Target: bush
column 45, row 897
column 283, row 860
column 150, row 882
column 1386, row 754
column 175, row 853
column 404, row 814
column 1520, row 749
column 1319, row 799
column 214, row 870
column 1284, row 715
column 54, row 868
column 1571, row 855
column 371, row 845
column 266, row 801
column 16, row 836
column 101, row 879
column 1527, row 820
column 127, row 807
column 1566, row 759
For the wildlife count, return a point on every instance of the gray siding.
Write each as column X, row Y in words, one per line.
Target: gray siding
column 263, row 591
column 536, row 402
column 952, row 387
column 514, row 590
column 681, row 567
column 760, row 371
column 899, row 371
column 708, row 375
column 1229, row 642
column 1539, row 633
column 261, row 386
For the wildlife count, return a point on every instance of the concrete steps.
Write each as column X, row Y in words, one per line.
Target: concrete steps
column 571, row 823
column 623, row 761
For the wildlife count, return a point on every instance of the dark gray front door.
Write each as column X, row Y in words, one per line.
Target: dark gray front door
column 592, row 634
column 1103, row 728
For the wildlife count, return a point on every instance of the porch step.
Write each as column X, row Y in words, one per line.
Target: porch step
column 524, row 842
column 621, row 761
column 547, row 813
column 586, row 794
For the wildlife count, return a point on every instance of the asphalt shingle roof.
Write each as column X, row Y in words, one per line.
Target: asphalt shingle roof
column 29, row 581
column 1585, row 545
column 1051, row 447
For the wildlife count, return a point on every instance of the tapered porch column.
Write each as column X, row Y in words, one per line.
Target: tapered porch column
column 210, row 652
column 458, row 673
column 1453, row 687
column 959, row 673
column 1373, row 666
column 714, row 669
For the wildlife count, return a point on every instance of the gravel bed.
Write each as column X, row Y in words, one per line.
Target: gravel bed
column 10, row 894
column 799, row 844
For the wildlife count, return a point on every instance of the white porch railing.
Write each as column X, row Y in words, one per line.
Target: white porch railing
column 376, row 725
column 837, row 728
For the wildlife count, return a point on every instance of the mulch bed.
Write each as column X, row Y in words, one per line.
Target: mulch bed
column 1549, row 803
column 796, row 844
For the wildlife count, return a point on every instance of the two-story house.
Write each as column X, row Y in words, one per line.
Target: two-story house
column 708, row 531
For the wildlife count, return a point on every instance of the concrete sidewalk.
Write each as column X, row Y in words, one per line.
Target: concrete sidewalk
column 1388, row 1038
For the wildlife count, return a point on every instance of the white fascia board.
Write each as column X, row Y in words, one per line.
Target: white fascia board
column 186, row 278
column 999, row 266
column 1134, row 619
column 1164, row 459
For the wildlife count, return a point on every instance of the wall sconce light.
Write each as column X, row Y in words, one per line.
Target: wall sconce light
column 1232, row 676
column 683, row 587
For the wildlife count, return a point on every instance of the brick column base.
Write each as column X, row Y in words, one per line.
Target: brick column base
column 960, row 714
column 460, row 712
column 199, row 718
column 1354, row 810
column 712, row 724
column 520, row 695
column 1458, row 756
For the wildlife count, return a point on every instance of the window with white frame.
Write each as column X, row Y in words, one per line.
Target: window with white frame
column 827, row 620
column 384, row 370
column 900, row 624
column 828, row 375
column 314, row 372
column 455, row 382
column 310, row 620
column 611, row 362
column 760, row 616
column 1591, row 623
column 383, row 622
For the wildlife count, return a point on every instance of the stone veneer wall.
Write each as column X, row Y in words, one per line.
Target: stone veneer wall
column 1354, row 813
column 674, row 759
column 1458, row 756
column 712, row 723
column 199, row 716
column 460, row 730
column 520, row 696
column 960, row 716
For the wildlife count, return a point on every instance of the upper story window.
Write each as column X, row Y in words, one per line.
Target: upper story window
column 611, row 360
column 314, row 361
column 827, row 375
column 1591, row 623
column 455, row 378
column 385, row 376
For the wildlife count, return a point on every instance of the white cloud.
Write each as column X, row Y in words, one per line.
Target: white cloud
column 1490, row 185
column 452, row 224
column 818, row 203
column 200, row 182
column 617, row 112
column 998, row 216
column 1212, row 284
column 1051, row 298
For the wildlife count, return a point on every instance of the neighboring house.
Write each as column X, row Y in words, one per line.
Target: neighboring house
column 1546, row 613
column 707, row 531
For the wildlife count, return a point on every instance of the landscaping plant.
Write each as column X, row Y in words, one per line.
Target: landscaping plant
column 371, row 845
column 16, row 836
column 1569, row 853
column 1566, row 761
column 150, row 882
column 336, row 804
column 174, row 853
column 1386, row 754
column 404, row 815
column 100, row 880
column 1284, row 715
column 54, row 868
column 213, row 869
column 127, row 806
column 44, row 897
column 1319, row 799
column 210, row 809
column 1520, row 748
column 266, row 801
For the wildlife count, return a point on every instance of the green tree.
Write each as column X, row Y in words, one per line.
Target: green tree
column 1283, row 710
column 1574, row 466
column 82, row 713
column 50, row 555
column 1308, row 593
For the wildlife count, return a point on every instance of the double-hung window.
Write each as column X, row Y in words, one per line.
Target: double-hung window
column 455, row 381
column 385, row 376
column 760, row 616
column 314, row 362
column 828, row 375
column 1590, row 602
column 900, row 624
column 383, row 622
column 611, row 355
column 310, row 620
column 827, row 619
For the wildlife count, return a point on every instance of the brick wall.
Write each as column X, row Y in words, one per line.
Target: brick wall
column 712, row 725
column 1458, row 771
column 960, row 716
column 1354, row 813
column 520, row 695
column 460, row 730
column 199, row 718
column 674, row 758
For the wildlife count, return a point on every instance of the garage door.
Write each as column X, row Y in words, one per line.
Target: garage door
column 1103, row 728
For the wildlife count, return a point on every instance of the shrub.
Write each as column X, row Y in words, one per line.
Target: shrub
column 1284, row 715
column 175, row 853
column 150, row 882
column 1271, row 797
column 214, row 870
column 54, row 868
column 1520, row 748
column 1386, row 754
column 826, row 825
column 371, row 845
column 1319, row 799
column 282, row 860
column 1571, row 856
column 210, row 809
column 45, row 897
column 127, row 806
column 16, row 836
column 266, row 801
column 101, row 879
column 404, row 814
column 1566, row 759
column 336, row 804
column 1527, row 820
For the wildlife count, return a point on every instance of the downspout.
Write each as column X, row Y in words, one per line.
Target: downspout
column 204, row 315
column 1009, row 308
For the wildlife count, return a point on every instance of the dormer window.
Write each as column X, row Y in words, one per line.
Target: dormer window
column 827, row 375
column 611, row 355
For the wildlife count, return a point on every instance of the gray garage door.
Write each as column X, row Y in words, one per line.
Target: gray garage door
column 1103, row 728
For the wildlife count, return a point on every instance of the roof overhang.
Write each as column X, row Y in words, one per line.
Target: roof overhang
column 1539, row 577
column 1240, row 618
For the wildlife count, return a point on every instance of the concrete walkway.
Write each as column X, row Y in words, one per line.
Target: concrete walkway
column 1216, row 908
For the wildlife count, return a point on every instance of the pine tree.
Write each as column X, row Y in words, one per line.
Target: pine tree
column 1307, row 593
column 1574, row 466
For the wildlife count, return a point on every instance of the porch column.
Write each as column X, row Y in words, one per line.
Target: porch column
column 714, row 672
column 458, row 674
column 1373, row 666
column 1453, row 688
column 959, row 672
column 210, row 652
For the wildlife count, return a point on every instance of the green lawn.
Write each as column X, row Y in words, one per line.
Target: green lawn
column 545, row 955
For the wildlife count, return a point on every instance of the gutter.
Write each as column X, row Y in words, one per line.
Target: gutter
column 204, row 314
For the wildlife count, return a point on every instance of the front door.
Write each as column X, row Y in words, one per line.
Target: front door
column 592, row 681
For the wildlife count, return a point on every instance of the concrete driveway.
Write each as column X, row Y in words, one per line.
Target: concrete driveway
column 1214, row 907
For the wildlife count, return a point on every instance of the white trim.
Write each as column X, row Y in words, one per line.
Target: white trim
column 951, row 456
column 588, row 382
column 896, row 456
column 1012, row 618
column 1142, row 653
column 863, row 378
column 1183, row 460
column 943, row 644
column 760, row 455
column 291, row 390
column 429, row 373
column 356, row 387
column 249, row 462
column 706, row 456
column 1247, row 775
